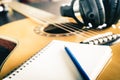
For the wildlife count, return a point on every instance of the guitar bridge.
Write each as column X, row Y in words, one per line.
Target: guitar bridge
column 102, row 39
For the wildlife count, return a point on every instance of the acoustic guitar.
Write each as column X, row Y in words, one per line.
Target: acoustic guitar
column 30, row 35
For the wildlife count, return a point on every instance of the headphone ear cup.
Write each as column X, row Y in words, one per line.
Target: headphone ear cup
column 92, row 11
column 89, row 12
column 110, row 10
column 117, row 14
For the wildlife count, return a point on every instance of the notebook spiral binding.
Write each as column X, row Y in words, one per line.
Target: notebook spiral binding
column 27, row 62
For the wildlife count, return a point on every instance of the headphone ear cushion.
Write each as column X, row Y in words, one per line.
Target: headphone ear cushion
column 101, row 11
column 110, row 10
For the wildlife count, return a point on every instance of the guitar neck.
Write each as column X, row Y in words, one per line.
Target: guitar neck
column 31, row 12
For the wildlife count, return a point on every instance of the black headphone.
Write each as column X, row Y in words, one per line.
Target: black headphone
column 95, row 13
column 3, row 10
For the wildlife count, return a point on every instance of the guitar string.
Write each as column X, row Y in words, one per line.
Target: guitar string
column 75, row 29
column 55, row 18
column 51, row 20
column 90, row 32
column 56, row 25
column 66, row 28
column 71, row 27
column 60, row 25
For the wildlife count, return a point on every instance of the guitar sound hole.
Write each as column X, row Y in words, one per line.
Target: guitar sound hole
column 54, row 28
column 5, row 48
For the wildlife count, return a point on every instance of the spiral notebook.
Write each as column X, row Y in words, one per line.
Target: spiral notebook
column 53, row 63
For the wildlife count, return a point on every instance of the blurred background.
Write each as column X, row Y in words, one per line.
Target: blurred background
column 53, row 6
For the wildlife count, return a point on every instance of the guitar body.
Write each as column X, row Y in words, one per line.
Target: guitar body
column 29, row 43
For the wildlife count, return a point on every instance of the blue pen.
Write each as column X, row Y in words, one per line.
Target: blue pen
column 77, row 64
